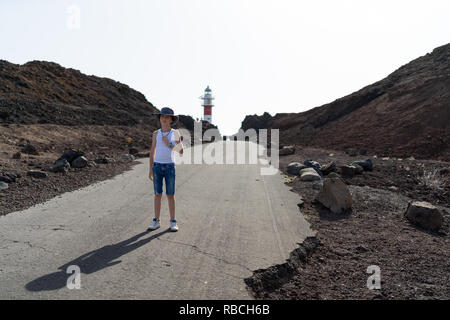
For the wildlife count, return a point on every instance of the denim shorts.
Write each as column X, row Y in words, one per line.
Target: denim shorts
column 164, row 171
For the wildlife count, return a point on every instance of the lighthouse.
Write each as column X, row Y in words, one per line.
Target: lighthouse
column 207, row 105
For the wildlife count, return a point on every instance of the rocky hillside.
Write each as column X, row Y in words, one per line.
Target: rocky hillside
column 45, row 92
column 405, row 114
column 41, row 92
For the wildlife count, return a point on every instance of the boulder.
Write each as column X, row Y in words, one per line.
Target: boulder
column 133, row 151
column 12, row 176
column 286, row 150
column 425, row 215
column 328, row 168
column 295, row 167
column 37, row 174
column 60, row 165
column 366, row 164
column 79, row 162
column 3, row 185
column 8, row 177
column 127, row 157
column 30, row 149
column 5, row 179
column 358, row 168
column 363, row 152
column 313, row 164
column 91, row 163
column 71, row 155
column 17, row 155
column 142, row 155
column 101, row 159
column 335, row 195
column 351, row 152
column 348, row 171
column 333, row 175
column 309, row 174
column 317, row 185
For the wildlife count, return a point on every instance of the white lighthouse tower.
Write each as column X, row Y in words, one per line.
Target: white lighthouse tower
column 207, row 105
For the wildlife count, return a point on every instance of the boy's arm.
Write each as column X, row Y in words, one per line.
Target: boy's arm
column 179, row 146
column 153, row 150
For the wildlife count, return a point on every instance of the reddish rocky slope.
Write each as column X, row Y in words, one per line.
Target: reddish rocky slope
column 45, row 92
column 405, row 114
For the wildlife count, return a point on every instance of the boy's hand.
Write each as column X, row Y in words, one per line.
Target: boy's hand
column 178, row 143
column 150, row 175
column 166, row 141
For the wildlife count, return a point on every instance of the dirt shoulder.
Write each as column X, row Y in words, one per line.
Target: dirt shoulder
column 51, row 141
column 414, row 263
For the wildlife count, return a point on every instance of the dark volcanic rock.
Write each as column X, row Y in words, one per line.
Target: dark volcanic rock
column 101, row 159
column 60, row 165
column 286, row 150
column 36, row 174
column 17, row 155
column 348, row 171
column 313, row 164
column 425, row 215
column 133, row 151
column 295, row 167
column 366, row 165
column 79, row 162
column 256, row 122
column 71, row 155
column 30, row 149
column 8, row 177
column 328, row 168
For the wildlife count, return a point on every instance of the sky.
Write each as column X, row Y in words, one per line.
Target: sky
column 256, row 55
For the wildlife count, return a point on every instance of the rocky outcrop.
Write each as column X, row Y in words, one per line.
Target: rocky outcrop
column 256, row 122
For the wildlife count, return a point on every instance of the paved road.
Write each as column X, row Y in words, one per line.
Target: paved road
column 232, row 220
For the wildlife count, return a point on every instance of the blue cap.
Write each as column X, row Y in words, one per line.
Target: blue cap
column 168, row 111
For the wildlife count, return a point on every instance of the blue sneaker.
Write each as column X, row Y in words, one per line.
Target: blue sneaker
column 156, row 223
column 173, row 225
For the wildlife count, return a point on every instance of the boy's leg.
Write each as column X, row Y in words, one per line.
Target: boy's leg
column 157, row 205
column 170, row 190
column 157, row 187
column 171, row 200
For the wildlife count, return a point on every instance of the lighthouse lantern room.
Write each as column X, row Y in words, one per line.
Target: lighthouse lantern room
column 207, row 105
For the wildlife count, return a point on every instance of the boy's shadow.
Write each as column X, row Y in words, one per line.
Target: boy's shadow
column 91, row 262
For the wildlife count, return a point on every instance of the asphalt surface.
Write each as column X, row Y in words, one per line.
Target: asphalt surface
column 232, row 221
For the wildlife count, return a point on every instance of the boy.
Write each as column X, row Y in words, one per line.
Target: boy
column 162, row 165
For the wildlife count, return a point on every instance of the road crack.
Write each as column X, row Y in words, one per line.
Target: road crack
column 27, row 243
column 197, row 249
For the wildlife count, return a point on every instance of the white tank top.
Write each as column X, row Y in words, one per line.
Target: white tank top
column 163, row 153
